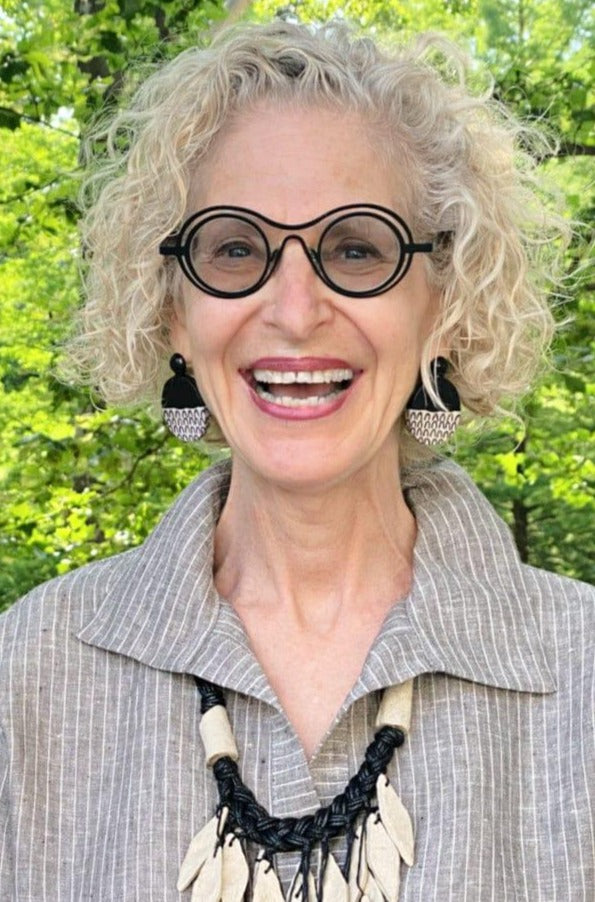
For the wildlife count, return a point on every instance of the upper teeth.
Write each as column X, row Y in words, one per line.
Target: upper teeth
column 288, row 377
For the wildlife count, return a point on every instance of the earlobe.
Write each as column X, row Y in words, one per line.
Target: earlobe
column 438, row 341
column 178, row 331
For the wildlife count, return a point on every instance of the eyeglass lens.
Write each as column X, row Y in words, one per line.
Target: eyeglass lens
column 357, row 252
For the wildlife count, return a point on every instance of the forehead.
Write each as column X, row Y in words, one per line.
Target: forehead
column 293, row 164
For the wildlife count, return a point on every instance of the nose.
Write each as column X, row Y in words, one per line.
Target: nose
column 297, row 300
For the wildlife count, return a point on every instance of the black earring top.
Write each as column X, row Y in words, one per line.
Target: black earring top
column 444, row 388
column 178, row 364
column 180, row 391
column 440, row 366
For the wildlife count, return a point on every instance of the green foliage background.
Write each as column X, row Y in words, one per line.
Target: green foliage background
column 76, row 482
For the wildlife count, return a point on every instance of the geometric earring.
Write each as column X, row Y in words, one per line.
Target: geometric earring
column 426, row 422
column 184, row 411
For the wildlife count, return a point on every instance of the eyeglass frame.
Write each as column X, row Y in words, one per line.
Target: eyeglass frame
column 178, row 245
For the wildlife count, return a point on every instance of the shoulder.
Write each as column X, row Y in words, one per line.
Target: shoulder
column 466, row 549
column 564, row 609
column 560, row 590
column 51, row 614
column 86, row 586
column 447, row 502
column 44, row 625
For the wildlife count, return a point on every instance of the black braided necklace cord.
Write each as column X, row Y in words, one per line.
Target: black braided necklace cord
column 248, row 819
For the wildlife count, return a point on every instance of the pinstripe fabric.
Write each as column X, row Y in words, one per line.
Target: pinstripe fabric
column 102, row 777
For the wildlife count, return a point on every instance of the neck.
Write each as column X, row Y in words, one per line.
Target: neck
column 316, row 554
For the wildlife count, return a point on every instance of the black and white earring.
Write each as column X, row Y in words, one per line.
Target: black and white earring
column 184, row 411
column 426, row 422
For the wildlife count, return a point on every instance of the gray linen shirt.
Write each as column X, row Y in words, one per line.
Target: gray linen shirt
column 102, row 775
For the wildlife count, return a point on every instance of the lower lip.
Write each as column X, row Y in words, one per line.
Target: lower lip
column 302, row 413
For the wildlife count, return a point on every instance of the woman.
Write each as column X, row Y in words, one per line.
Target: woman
column 306, row 226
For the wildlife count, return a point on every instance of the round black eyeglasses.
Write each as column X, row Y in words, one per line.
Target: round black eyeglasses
column 358, row 250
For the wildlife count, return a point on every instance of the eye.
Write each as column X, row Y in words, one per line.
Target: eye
column 350, row 252
column 234, row 250
column 359, row 243
column 356, row 250
column 245, row 254
column 223, row 244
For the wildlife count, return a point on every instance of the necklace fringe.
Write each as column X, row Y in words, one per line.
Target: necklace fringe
column 369, row 813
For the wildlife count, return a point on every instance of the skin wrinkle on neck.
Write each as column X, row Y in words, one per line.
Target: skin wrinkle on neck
column 317, row 556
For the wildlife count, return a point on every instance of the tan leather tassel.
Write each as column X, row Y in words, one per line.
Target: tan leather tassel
column 373, row 892
column 200, row 850
column 358, row 869
column 334, row 886
column 207, row 886
column 235, row 872
column 266, row 883
column 395, row 818
column 383, row 860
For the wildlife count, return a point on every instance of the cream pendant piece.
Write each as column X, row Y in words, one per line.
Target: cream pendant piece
column 395, row 707
column 334, row 887
column 235, row 873
column 201, row 849
column 266, row 883
column 373, row 892
column 358, row 869
column 296, row 893
column 217, row 736
column 207, row 886
column 395, row 818
column 382, row 858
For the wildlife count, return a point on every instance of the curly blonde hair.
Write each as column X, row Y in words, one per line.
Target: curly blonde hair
column 470, row 165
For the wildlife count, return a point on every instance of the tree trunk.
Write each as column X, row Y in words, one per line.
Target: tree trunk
column 520, row 511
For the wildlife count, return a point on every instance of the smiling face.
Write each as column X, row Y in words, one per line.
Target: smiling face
column 306, row 383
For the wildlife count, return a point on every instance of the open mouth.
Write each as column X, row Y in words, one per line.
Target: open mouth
column 300, row 388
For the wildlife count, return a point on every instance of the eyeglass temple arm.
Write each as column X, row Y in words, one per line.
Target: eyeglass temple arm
column 171, row 247
column 423, row 248
column 441, row 240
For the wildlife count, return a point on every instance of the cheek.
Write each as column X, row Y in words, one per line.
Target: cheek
column 396, row 341
column 193, row 319
column 400, row 337
column 212, row 331
column 179, row 334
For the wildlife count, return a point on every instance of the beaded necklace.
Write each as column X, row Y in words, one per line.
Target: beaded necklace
column 368, row 813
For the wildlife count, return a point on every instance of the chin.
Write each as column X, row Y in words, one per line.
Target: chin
column 304, row 466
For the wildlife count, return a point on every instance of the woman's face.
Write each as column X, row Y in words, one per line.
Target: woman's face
column 292, row 166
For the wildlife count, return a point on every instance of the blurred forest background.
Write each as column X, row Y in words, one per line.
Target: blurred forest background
column 78, row 483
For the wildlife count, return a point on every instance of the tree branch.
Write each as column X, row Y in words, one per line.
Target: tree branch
column 32, row 189
column 570, row 149
column 129, row 476
column 35, row 120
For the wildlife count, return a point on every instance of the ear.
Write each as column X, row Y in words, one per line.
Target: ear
column 438, row 342
column 440, row 347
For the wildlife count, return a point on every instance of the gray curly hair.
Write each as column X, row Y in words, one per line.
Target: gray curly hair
column 470, row 165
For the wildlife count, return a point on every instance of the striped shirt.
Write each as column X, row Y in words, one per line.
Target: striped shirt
column 102, row 774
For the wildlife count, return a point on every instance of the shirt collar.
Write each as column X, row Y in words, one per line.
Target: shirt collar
column 469, row 613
